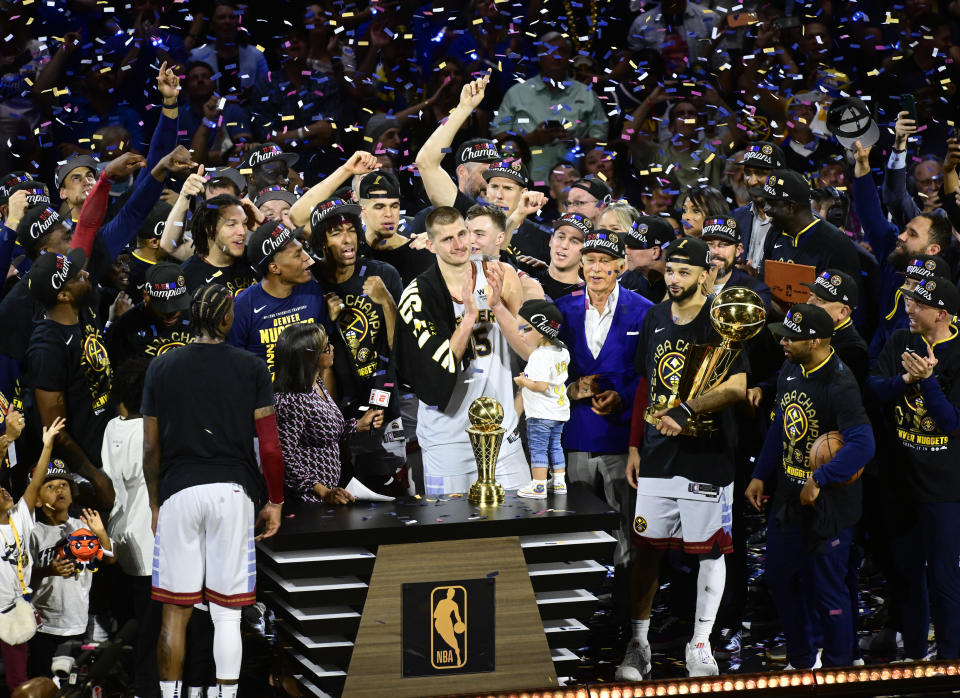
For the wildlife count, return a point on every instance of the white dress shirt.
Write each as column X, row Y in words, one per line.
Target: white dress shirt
column 597, row 324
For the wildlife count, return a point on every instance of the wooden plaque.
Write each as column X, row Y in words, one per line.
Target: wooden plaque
column 522, row 657
column 786, row 281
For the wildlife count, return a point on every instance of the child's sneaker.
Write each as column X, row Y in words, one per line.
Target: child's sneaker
column 537, row 489
column 558, row 486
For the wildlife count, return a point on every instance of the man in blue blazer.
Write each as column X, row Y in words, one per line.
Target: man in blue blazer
column 601, row 328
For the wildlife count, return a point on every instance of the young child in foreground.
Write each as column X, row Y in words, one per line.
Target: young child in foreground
column 543, row 389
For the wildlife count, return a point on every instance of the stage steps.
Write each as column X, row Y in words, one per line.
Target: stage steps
column 317, row 596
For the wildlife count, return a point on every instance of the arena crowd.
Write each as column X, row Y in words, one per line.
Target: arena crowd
column 261, row 257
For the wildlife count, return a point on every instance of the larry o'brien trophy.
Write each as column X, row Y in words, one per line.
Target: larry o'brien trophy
column 737, row 314
column 486, row 435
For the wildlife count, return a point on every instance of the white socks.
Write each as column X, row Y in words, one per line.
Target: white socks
column 559, row 478
column 170, row 689
column 710, row 581
column 227, row 645
column 227, row 690
column 640, row 630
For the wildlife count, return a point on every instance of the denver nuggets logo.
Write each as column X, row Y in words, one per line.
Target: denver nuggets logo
column 670, row 368
column 731, row 223
column 835, row 280
column 95, row 354
column 639, row 525
column 612, row 237
column 930, row 285
column 643, row 228
column 354, row 322
column 929, row 265
column 927, row 424
column 795, row 422
column 767, row 150
column 771, row 180
column 797, row 317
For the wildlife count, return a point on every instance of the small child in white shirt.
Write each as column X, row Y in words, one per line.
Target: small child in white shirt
column 544, row 393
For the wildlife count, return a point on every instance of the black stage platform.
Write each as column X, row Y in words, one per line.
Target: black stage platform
column 314, row 573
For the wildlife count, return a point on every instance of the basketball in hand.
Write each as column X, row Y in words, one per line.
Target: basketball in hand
column 825, row 448
column 459, row 627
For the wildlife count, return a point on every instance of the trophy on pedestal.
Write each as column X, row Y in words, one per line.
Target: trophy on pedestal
column 737, row 314
column 486, row 435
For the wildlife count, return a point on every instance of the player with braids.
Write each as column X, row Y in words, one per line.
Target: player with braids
column 219, row 228
column 203, row 479
column 208, row 309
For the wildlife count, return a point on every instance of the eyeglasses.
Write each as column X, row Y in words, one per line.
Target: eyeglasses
column 572, row 203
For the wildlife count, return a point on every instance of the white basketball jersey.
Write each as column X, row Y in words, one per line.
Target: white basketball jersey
column 486, row 372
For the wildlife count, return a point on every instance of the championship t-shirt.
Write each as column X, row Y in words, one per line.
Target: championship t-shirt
column 363, row 333
column 137, row 275
column 72, row 359
column 203, row 397
column 236, row 277
column 10, row 588
column 62, row 602
column 931, row 456
column 259, row 318
column 547, row 364
column 661, row 357
column 138, row 332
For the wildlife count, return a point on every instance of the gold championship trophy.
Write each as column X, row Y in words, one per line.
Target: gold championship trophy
column 486, row 435
column 737, row 314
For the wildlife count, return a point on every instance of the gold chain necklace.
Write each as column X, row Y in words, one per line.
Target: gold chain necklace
column 593, row 23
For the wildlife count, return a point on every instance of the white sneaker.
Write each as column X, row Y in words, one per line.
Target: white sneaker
column 535, row 490
column 636, row 663
column 817, row 664
column 558, row 486
column 700, row 661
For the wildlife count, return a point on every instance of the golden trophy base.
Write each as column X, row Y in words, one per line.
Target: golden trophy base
column 486, row 494
column 700, row 425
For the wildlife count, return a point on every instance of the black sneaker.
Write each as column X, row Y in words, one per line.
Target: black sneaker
column 669, row 632
column 777, row 652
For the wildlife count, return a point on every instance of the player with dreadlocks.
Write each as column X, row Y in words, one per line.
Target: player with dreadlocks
column 202, row 478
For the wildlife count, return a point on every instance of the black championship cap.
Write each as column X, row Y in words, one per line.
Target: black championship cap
column 35, row 224
column 380, row 184
column 804, row 322
column 544, row 317
column 785, row 185
column 649, row 232
column 936, row 292
column 152, row 228
column 688, row 250
column 268, row 153
column 849, row 120
column 274, row 194
column 764, row 156
column 602, row 240
column 721, row 229
column 167, row 288
column 595, row 187
column 51, row 272
column 36, row 192
column 926, row 265
column 72, row 164
column 835, row 285
column 478, row 150
column 8, row 181
column 509, row 169
column 333, row 209
column 574, row 220
column 57, row 470
column 229, row 174
column 266, row 241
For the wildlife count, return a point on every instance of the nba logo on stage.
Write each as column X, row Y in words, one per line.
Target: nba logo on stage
column 448, row 627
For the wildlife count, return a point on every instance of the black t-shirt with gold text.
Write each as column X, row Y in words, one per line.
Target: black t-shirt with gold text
column 661, row 356
column 72, row 359
column 139, row 333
